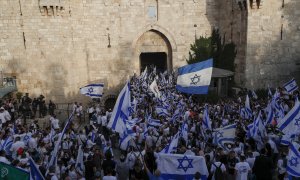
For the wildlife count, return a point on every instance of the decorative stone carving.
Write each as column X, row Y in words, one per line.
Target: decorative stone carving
column 52, row 7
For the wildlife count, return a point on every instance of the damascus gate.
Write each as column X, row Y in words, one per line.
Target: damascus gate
column 54, row 47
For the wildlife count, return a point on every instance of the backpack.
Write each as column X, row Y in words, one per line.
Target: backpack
column 218, row 172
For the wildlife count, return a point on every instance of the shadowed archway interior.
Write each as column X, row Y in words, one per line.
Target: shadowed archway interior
column 157, row 59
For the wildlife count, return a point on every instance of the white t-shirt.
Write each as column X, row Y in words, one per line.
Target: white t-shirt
column 109, row 178
column 242, row 169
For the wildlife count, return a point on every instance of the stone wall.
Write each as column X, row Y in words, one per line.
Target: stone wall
column 273, row 41
column 54, row 47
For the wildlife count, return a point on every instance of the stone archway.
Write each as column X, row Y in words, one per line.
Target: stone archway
column 153, row 44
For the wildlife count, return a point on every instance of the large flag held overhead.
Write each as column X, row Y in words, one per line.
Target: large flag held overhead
column 225, row 135
column 35, row 173
column 181, row 167
column 9, row 172
column 121, row 111
column 195, row 78
column 291, row 86
column 93, row 90
column 293, row 160
column 290, row 124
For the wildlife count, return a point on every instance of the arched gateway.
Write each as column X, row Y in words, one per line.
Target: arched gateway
column 154, row 48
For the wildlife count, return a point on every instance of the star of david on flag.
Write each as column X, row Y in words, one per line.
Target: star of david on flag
column 289, row 125
column 93, row 90
column 182, row 165
column 179, row 166
column 291, row 86
column 293, row 159
column 195, row 78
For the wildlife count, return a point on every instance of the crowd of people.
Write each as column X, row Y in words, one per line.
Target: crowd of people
column 95, row 151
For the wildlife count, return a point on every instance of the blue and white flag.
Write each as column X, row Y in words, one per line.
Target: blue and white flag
column 181, row 167
column 291, row 86
column 162, row 111
column 35, row 173
column 154, row 89
column 254, row 95
column 79, row 165
column 270, row 115
column 153, row 122
column 184, row 131
column 225, row 135
column 176, row 115
column 290, row 124
column 195, row 78
column 121, row 111
column 54, row 153
column 6, row 145
column 293, row 160
column 259, row 130
column 248, row 108
column 206, row 123
column 125, row 141
column 92, row 90
column 26, row 138
column 172, row 146
column 270, row 94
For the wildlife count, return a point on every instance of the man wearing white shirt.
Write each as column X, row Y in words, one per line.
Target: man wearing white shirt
column 189, row 151
column 242, row 169
column 32, row 143
column 4, row 116
column 54, row 122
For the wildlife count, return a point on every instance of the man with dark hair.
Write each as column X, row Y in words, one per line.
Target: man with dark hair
column 263, row 166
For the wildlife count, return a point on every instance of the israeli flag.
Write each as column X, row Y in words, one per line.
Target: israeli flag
column 184, row 131
column 254, row 95
column 6, row 144
column 172, row 146
column 259, row 130
column 162, row 111
column 79, row 165
column 224, row 136
column 121, row 111
column 206, row 124
column 125, row 140
column 291, row 86
column 290, row 124
column 154, row 122
column 195, row 78
column 92, row 90
column 53, row 160
column 35, row 173
column 248, row 108
column 270, row 115
column 176, row 115
column 270, row 94
column 154, row 89
column 293, row 160
column 181, row 167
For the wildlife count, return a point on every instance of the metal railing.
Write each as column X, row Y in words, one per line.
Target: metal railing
column 7, row 85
